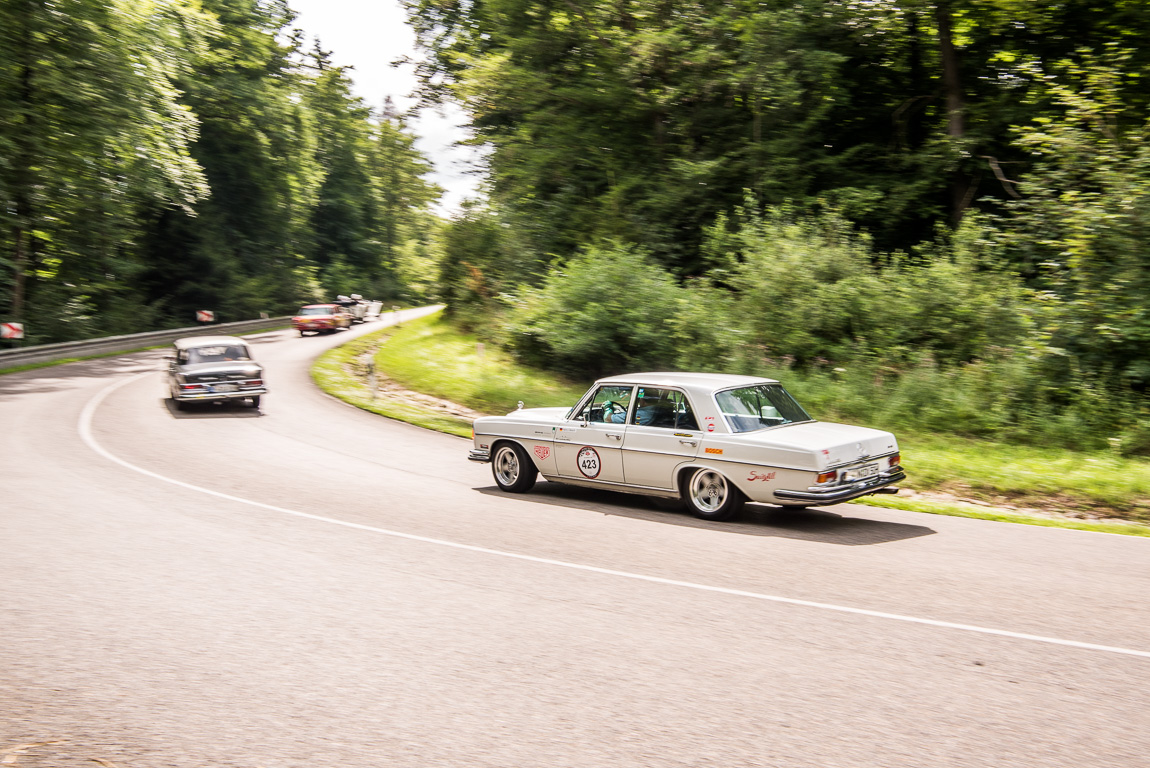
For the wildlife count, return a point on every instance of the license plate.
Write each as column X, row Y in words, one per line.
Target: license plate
column 229, row 388
column 858, row 473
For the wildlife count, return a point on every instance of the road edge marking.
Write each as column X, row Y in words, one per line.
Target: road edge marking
column 84, row 427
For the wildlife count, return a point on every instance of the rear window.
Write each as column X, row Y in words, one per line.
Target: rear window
column 759, row 406
column 219, row 354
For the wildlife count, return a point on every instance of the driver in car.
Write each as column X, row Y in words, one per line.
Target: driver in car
column 611, row 415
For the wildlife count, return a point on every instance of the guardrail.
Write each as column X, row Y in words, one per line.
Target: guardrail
column 46, row 353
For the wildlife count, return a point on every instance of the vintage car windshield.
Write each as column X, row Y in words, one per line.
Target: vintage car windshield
column 217, row 354
column 316, row 311
column 756, row 407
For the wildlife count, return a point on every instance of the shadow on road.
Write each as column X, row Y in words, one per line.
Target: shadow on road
column 756, row 520
column 72, row 375
column 218, row 409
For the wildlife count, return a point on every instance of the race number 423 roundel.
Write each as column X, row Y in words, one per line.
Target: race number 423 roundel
column 589, row 463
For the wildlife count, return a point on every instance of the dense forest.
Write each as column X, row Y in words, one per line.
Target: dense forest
column 163, row 156
column 929, row 213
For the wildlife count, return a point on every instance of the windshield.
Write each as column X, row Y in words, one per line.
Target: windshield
column 218, row 354
column 316, row 311
column 762, row 405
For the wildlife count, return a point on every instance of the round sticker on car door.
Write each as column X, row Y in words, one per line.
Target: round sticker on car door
column 588, row 461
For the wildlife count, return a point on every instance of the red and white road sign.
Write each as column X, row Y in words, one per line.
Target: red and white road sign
column 205, row 316
column 11, row 330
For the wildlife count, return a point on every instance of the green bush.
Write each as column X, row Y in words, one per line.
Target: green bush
column 607, row 310
column 810, row 289
column 941, row 341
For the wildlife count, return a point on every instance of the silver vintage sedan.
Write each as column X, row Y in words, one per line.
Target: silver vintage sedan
column 212, row 368
column 713, row 440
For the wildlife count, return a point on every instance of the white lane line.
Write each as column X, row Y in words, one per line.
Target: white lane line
column 85, row 430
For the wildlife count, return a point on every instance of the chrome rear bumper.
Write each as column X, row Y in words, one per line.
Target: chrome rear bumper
column 835, row 495
column 192, row 397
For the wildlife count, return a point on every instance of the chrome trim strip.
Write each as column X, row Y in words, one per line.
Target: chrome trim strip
column 642, row 490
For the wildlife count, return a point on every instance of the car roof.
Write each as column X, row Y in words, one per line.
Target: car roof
column 695, row 381
column 191, row 342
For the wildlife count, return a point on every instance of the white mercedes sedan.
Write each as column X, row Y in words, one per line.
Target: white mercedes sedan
column 713, row 440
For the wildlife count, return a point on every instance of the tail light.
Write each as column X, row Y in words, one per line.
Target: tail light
column 826, row 477
column 896, row 460
column 186, row 387
column 253, row 383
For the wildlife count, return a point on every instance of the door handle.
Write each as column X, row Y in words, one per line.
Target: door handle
column 615, row 435
column 691, row 443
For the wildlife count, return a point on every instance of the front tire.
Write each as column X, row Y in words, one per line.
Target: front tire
column 512, row 469
column 711, row 496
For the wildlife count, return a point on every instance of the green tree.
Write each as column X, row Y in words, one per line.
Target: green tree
column 90, row 127
column 398, row 172
column 1084, row 221
column 239, row 251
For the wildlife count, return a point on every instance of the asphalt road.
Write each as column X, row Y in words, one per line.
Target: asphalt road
column 318, row 586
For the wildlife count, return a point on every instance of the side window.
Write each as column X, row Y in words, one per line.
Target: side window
column 182, row 356
column 684, row 416
column 609, row 405
column 666, row 408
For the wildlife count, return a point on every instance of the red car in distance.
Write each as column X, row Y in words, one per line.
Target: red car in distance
column 321, row 318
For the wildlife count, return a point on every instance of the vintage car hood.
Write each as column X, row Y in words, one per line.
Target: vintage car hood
column 531, row 423
column 838, row 443
column 536, row 414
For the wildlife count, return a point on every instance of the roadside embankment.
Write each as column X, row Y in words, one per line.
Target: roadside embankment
column 429, row 374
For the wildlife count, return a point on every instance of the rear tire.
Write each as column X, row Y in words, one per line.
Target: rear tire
column 256, row 402
column 180, row 404
column 711, row 496
column 512, row 469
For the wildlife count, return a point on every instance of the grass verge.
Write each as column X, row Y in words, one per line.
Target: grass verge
column 1034, row 486
column 342, row 372
column 1089, row 483
column 1002, row 516
column 429, row 355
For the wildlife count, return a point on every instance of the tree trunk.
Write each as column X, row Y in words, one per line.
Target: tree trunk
column 951, row 82
column 22, row 179
column 952, row 87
